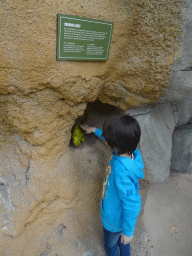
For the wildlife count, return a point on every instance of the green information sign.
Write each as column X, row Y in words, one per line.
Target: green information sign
column 82, row 38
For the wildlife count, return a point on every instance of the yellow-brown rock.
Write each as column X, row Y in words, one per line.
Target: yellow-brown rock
column 45, row 206
column 41, row 97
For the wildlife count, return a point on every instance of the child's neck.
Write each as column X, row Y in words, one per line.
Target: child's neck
column 126, row 155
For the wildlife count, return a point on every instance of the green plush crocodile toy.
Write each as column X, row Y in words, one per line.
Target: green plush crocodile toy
column 77, row 135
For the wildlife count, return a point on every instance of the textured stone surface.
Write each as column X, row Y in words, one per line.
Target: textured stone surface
column 56, row 208
column 182, row 148
column 50, row 192
column 42, row 97
column 180, row 83
column 158, row 124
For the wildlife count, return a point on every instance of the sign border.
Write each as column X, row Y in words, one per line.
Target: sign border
column 81, row 19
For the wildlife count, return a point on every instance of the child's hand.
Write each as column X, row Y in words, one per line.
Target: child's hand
column 87, row 128
column 126, row 239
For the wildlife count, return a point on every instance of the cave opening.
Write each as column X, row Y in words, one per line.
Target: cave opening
column 94, row 115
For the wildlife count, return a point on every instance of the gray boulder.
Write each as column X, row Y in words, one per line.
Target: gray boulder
column 158, row 123
column 182, row 148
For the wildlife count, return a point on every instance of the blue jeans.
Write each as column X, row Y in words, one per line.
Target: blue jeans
column 112, row 244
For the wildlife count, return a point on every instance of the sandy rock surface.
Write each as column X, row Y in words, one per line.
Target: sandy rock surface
column 41, row 97
column 50, row 192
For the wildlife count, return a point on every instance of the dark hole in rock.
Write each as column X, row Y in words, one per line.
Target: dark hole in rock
column 94, row 115
column 61, row 228
column 3, row 191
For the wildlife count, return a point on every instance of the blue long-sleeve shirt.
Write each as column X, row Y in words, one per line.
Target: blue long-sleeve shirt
column 121, row 204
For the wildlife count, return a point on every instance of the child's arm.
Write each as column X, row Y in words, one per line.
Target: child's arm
column 88, row 129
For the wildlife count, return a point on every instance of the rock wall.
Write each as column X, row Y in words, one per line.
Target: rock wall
column 41, row 97
column 166, row 129
column 166, row 137
column 182, row 149
column 49, row 191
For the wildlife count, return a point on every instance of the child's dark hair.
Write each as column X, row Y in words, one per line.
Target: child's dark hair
column 122, row 133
